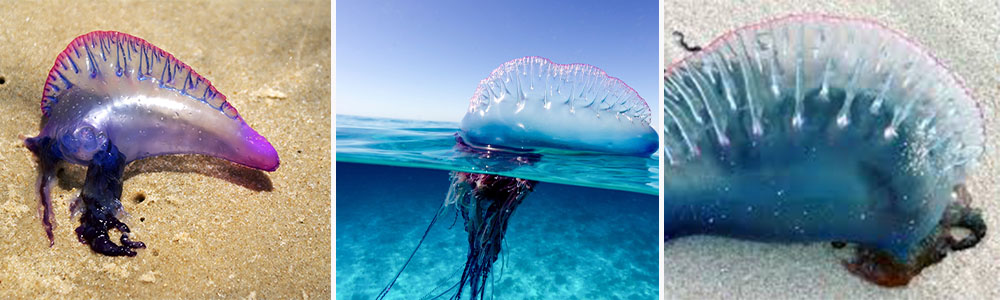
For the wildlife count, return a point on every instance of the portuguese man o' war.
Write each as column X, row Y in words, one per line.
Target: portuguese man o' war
column 816, row 128
column 533, row 104
column 525, row 108
column 112, row 98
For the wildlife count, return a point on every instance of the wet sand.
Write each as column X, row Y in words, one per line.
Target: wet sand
column 212, row 229
column 966, row 38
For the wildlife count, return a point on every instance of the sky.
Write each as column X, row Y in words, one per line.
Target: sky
column 422, row 60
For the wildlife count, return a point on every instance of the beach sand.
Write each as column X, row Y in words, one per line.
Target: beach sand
column 966, row 38
column 212, row 229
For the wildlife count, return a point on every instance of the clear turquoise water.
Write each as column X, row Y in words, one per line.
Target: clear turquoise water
column 563, row 242
column 589, row 230
column 425, row 144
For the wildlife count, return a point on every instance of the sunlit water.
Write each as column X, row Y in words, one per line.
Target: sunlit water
column 431, row 145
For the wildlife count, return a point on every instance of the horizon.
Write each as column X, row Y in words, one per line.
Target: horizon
column 417, row 61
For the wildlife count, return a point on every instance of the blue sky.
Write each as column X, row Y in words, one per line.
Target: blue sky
column 422, row 60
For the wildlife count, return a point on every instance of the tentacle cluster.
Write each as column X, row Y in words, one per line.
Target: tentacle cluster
column 486, row 203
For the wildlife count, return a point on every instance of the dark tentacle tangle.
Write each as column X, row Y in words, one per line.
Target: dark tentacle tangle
column 486, row 211
column 961, row 214
column 102, row 191
column 884, row 269
column 486, row 203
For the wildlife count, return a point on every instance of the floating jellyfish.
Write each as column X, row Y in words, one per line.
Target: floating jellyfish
column 525, row 108
column 815, row 128
column 112, row 98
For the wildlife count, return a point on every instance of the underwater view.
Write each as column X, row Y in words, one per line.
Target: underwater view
column 430, row 144
column 587, row 230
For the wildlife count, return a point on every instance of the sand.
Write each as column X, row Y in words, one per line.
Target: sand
column 213, row 229
column 966, row 37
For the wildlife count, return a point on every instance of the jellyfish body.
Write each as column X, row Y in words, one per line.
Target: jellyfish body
column 525, row 108
column 533, row 104
column 816, row 128
column 112, row 98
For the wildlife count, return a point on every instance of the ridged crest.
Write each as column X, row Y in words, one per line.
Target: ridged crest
column 773, row 79
column 108, row 53
column 538, row 81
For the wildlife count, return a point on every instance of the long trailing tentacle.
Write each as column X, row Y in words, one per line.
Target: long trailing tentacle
column 49, row 156
column 385, row 291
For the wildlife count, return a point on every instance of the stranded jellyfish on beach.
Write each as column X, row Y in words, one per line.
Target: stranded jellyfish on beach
column 816, row 128
column 525, row 108
column 112, row 98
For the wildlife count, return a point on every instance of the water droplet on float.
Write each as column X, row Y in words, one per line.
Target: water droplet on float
column 889, row 133
column 842, row 121
column 797, row 121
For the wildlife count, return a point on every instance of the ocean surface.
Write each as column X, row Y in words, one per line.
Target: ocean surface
column 431, row 145
column 589, row 230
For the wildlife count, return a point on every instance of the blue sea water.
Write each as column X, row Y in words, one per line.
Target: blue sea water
column 432, row 145
column 595, row 239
